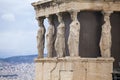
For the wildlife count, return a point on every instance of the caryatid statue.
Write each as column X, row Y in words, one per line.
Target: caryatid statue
column 105, row 41
column 73, row 39
column 50, row 37
column 40, row 37
column 60, row 38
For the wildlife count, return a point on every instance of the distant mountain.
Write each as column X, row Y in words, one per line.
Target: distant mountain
column 1, row 60
column 19, row 59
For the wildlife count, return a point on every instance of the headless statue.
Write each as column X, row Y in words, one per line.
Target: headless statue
column 105, row 41
column 40, row 38
column 60, row 39
column 50, row 37
column 73, row 39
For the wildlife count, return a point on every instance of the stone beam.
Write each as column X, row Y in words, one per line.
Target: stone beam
column 53, row 8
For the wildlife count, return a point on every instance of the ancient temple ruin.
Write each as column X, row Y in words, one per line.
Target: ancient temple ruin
column 82, row 39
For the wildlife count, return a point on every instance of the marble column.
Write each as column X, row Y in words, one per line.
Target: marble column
column 60, row 38
column 40, row 37
column 50, row 37
column 73, row 39
column 105, row 41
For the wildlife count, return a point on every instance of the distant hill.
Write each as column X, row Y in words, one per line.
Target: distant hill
column 19, row 59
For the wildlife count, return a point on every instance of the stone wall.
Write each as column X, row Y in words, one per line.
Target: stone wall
column 74, row 68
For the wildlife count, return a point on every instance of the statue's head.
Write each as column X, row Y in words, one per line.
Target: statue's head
column 59, row 17
column 106, row 18
column 106, row 15
column 74, row 14
column 50, row 21
column 40, row 21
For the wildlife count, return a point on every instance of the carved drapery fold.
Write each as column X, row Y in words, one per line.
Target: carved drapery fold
column 60, row 38
column 105, row 41
column 73, row 39
column 40, row 37
column 50, row 37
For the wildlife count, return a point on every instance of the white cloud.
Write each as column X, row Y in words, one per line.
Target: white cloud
column 8, row 17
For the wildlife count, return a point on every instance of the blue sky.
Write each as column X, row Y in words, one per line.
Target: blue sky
column 18, row 28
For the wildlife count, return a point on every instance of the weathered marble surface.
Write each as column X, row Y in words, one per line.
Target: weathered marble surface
column 53, row 8
column 50, row 37
column 73, row 40
column 105, row 41
column 40, row 37
column 74, row 68
column 60, row 39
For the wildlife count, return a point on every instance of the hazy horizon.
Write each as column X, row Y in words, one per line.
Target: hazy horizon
column 16, row 55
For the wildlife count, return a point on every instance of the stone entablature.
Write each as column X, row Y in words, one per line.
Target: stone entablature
column 52, row 7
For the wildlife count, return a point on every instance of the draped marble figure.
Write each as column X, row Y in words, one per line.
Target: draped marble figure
column 73, row 39
column 60, row 39
column 105, row 41
column 50, row 37
column 40, row 37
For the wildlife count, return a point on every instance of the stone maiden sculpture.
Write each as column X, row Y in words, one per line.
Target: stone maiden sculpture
column 40, row 37
column 105, row 41
column 60, row 39
column 50, row 37
column 73, row 39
